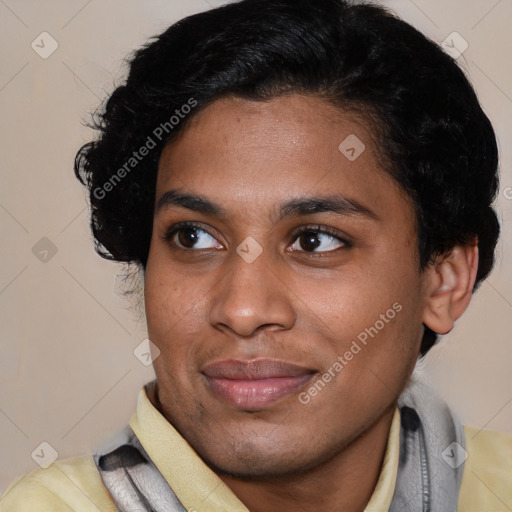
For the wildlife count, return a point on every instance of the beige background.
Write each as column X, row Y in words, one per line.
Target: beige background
column 68, row 375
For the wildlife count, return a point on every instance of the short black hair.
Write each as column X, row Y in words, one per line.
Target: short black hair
column 437, row 142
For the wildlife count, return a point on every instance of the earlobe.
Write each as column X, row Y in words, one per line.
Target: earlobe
column 450, row 285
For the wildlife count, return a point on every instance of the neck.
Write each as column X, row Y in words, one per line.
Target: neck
column 345, row 482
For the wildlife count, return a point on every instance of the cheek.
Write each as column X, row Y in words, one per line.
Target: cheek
column 369, row 364
column 354, row 298
column 372, row 319
column 168, row 302
column 176, row 309
column 171, row 318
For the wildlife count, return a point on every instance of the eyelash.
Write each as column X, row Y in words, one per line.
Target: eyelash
column 315, row 228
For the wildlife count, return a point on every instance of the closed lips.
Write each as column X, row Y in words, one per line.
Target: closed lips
column 254, row 369
column 255, row 384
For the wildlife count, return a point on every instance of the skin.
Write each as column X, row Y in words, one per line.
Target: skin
column 293, row 304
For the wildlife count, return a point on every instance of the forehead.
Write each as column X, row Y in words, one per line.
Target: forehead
column 246, row 152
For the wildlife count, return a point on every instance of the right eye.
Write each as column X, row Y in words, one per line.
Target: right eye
column 191, row 236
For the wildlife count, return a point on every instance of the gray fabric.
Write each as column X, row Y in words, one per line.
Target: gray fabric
column 429, row 473
column 133, row 481
column 430, row 465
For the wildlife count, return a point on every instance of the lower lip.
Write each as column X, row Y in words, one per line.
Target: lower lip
column 255, row 394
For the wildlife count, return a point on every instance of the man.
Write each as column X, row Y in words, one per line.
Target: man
column 307, row 187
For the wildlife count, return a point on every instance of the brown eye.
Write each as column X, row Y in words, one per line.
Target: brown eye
column 310, row 240
column 187, row 237
column 191, row 237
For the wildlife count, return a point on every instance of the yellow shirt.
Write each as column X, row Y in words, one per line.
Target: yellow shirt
column 74, row 485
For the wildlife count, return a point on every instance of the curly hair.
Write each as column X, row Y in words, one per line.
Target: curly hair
column 437, row 142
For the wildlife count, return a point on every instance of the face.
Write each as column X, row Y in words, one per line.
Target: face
column 282, row 286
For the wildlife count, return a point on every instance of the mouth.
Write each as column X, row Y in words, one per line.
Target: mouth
column 255, row 384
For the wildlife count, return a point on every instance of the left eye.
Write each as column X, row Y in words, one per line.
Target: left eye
column 310, row 241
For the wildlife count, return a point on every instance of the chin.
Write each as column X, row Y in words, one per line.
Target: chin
column 260, row 465
column 255, row 456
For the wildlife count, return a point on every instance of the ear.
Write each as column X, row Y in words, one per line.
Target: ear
column 450, row 283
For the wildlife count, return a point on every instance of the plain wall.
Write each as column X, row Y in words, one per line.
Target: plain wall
column 67, row 369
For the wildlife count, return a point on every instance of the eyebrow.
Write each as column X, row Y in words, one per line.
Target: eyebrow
column 295, row 207
column 190, row 202
column 330, row 204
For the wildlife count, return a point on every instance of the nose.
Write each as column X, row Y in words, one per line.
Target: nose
column 250, row 297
